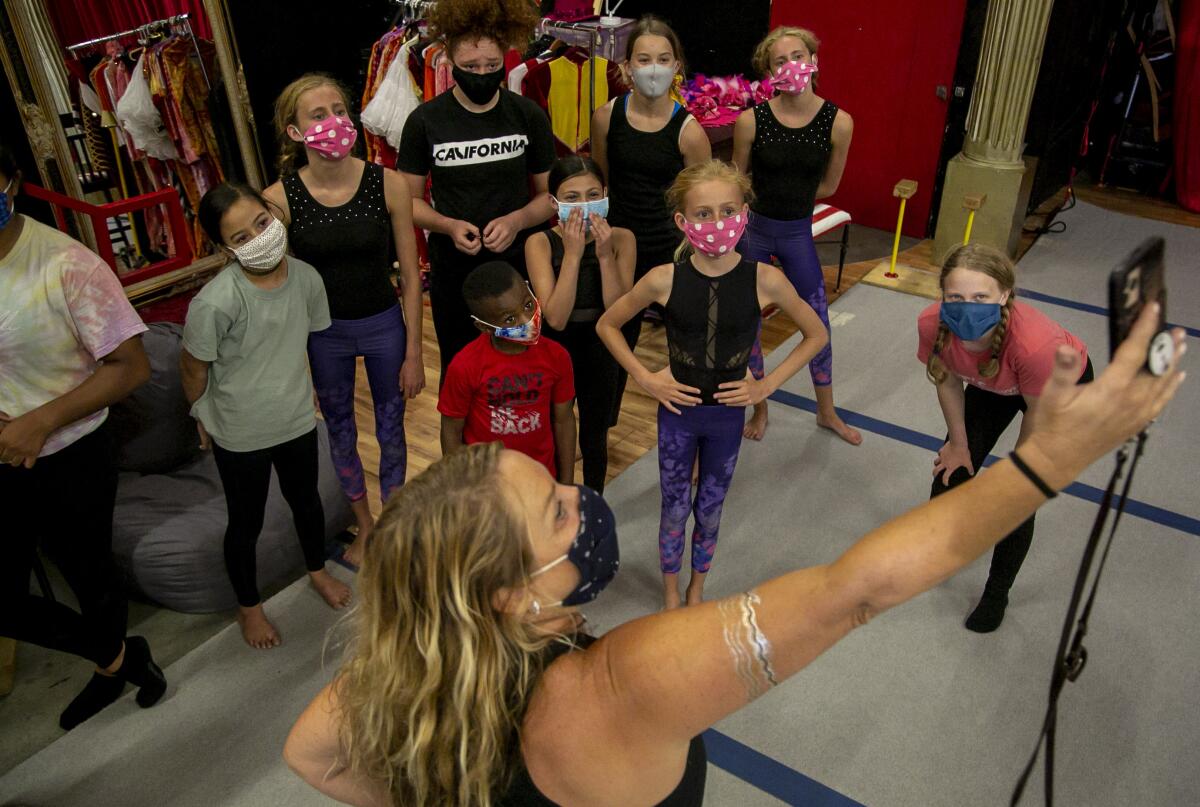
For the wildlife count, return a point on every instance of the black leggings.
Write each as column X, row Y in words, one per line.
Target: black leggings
column 987, row 416
column 597, row 392
column 66, row 500
column 246, row 477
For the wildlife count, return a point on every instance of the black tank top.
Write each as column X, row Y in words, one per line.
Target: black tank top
column 788, row 164
column 711, row 325
column 641, row 166
column 350, row 246
column 688, row 793
column 589, row 292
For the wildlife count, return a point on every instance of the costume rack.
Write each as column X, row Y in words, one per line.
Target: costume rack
column 143, row 33
column 412, row 10
column 600, row 38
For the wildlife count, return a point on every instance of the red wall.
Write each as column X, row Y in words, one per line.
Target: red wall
column 882, row 61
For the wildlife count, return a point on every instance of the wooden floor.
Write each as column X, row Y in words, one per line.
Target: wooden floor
column 636, row 433
column 633, row 436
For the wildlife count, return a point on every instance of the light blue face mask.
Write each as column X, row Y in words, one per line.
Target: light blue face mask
column 586, row 209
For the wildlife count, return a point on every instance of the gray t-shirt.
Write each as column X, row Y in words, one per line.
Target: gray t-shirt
column 259, row 393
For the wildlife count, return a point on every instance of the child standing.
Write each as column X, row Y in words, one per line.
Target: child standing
column 794, row 147
column 713, row 299
column 245, row 373
column 580, row 268
column 510, row 384
column 346, row 218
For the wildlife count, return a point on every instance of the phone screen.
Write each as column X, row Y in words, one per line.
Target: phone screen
column 1136, row 282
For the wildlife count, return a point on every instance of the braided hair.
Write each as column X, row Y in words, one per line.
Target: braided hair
column 996, row 265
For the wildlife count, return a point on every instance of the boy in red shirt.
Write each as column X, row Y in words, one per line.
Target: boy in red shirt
column 510, row 384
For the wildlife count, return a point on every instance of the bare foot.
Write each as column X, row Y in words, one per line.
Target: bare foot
column 756, row 427
column 365, row 526
column 336, row 593
column 358, row 547
column 695, row 589
column 257, row 630
column 839, row 427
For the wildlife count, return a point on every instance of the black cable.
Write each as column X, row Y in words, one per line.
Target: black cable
column 1071, row 657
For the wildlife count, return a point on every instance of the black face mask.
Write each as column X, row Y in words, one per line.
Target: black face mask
column 594, row 552
column 480, row 88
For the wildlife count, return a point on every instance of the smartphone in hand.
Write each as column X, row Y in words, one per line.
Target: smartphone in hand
column 1135, row 283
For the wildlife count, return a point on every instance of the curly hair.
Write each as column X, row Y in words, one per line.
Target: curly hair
column 436, row 686
column 508, row 23
column 996, row 265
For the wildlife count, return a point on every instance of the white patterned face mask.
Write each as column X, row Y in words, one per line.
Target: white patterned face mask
column 793, row 78
column 263, row 252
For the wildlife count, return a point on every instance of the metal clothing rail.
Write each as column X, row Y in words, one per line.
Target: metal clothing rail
column 143, row 30
column 411, row 11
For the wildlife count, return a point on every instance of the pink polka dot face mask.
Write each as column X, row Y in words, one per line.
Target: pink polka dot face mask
column 793, row 78
column 716, row 238
column 333, row 138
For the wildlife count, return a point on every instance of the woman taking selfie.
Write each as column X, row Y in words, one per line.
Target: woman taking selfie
column 470, row 682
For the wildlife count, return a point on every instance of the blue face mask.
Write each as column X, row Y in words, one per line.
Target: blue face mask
column 970, row 321
column 594, row 552
column 6, row 207
column 586, row 209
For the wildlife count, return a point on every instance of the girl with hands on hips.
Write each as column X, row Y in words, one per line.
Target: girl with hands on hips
column 713, row 299
column 578, row 270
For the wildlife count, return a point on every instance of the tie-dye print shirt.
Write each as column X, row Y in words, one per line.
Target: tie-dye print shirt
column 61, row 310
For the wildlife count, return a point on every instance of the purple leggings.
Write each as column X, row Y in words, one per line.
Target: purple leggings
column 380, row 340
column 716, row 433
column 792, row 243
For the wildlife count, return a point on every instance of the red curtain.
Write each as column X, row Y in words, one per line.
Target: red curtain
column 80, row 20
column 1187, row 108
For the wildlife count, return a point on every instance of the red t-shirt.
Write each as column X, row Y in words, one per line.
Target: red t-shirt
column 509, row 397
column 1026, row 357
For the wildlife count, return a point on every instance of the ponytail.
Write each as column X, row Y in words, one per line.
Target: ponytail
column 935, row 370
column 992, row 367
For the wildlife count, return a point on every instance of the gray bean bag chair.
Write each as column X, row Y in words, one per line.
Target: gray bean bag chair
column 169, row 522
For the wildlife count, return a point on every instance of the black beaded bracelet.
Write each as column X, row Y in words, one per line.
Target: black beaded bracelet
column 1046, row 490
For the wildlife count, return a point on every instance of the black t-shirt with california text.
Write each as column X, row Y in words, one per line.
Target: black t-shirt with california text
column 479, row 162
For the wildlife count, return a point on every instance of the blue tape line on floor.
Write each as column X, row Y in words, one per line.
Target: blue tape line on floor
column 1088, row 307
column 1133, row 507
column 768, row 775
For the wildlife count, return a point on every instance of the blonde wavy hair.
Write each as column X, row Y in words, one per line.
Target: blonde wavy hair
column 435, row 688
column 697, row 174
column 292, row 155
column 996, row 265
column 762, row 53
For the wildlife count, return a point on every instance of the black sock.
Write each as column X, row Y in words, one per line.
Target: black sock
column 99, row 693
column 139, row 669
column 988, row 615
